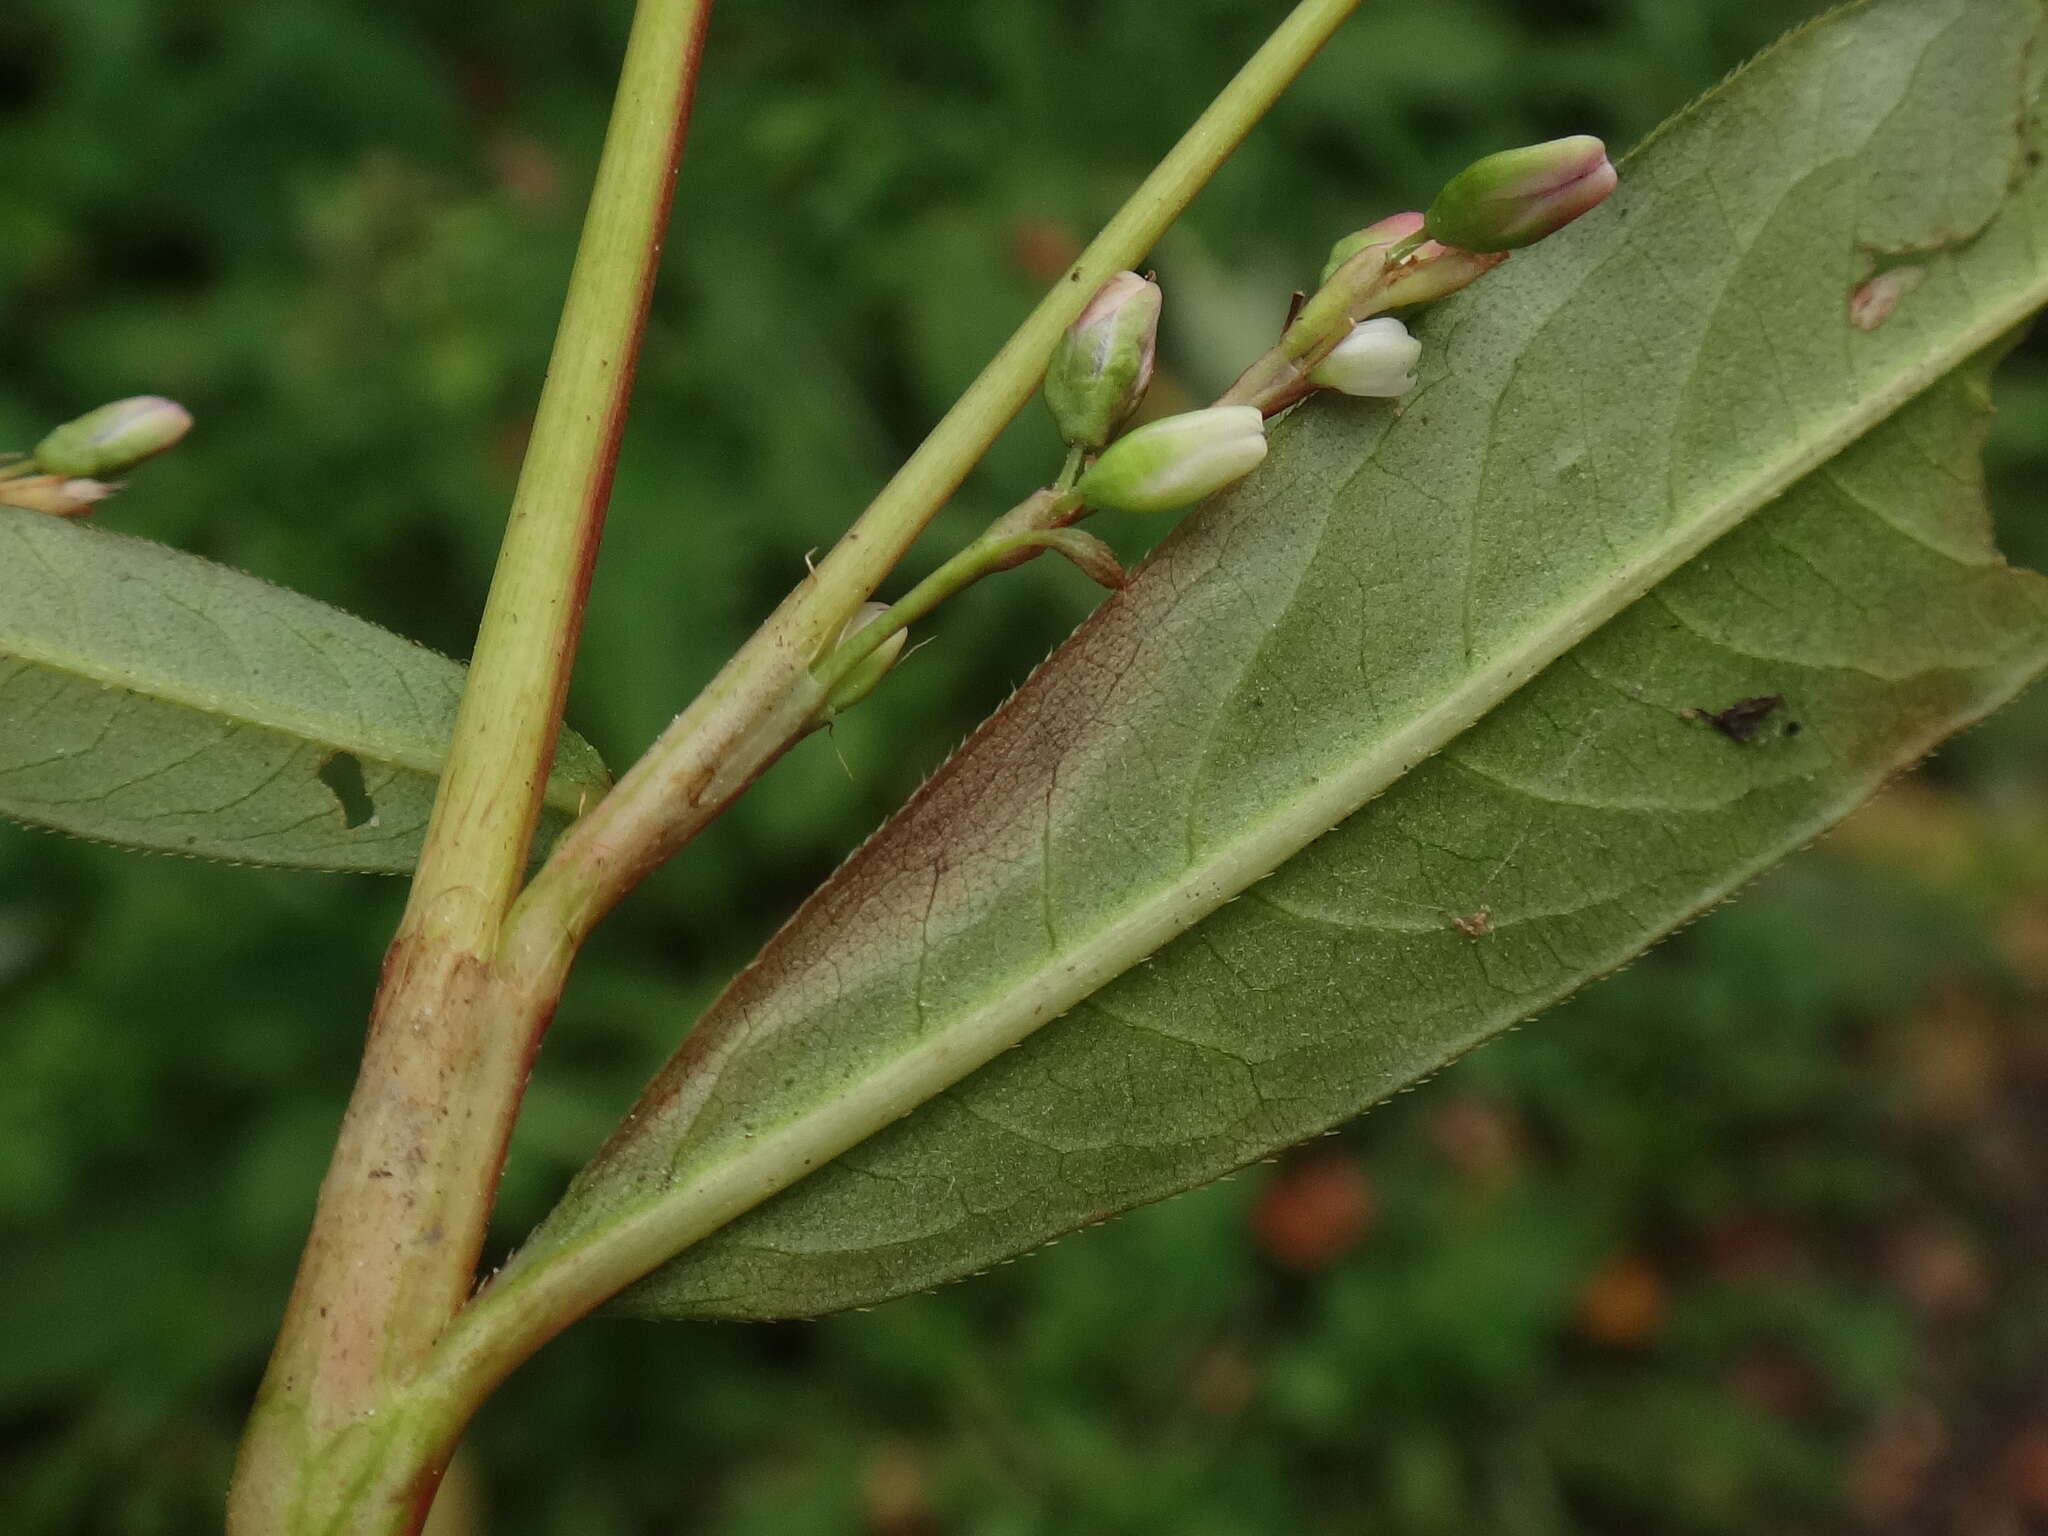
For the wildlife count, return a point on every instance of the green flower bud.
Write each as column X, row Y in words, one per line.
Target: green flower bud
column 1176, row 462
column 1518, row 196
column 870, row 670
column 1103, row 365
column 115, row 438
column 1389, row 231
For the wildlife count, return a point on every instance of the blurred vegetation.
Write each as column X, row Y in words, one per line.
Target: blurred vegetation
column 1751, row 1238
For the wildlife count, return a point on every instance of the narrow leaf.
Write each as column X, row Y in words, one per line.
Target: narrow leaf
column 1665, row 566
column 154, row 699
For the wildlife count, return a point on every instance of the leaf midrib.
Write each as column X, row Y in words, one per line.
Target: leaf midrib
column 640, row 1236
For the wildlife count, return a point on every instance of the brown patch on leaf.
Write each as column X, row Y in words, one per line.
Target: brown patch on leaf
column 1741, row 721
column 1872, row 303
column 1474, row 925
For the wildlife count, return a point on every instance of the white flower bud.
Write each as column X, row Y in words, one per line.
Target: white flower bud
column 1376, row 360
column 1174, row 463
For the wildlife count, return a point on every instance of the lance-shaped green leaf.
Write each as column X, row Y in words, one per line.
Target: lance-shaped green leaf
column 154, row 699
column 1673, row 556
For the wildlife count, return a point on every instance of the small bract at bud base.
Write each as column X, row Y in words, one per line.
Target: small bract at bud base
column 1103, row 365
column 1389, row 232
column 1174, row 463
column 1518, row 196
column 1435, row 272
column 115, row 438
column 1376, row 361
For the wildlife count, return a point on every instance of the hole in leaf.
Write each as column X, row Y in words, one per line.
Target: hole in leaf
column 343, row 774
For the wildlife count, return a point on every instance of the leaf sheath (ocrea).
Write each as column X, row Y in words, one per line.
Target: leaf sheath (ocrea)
column 1413, row 733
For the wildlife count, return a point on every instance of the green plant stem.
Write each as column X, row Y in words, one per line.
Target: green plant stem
column 377, row 1475
column 699, row 763
column 762, row 700
column 402, row 1212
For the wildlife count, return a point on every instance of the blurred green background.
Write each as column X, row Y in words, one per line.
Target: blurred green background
column 1752, row 1238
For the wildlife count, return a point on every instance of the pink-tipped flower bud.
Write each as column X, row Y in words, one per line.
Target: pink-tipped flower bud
column 1103, row 364
column 1390, row 231
column 115, row 438
column 1174, row 463
column 57, row 495
column 1518, row 196
column 1376, row 361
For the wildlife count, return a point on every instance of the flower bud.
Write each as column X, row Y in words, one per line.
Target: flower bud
column 58, row 495
column 115, row 438
column 869, row 671
column 1518, row 196
column 1103, row 364
column 1176, row 462
column 1377, row 360
column 1390, row 231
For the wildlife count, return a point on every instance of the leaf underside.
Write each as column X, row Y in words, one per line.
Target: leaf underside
column 157, row 700
column 1652, row 472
